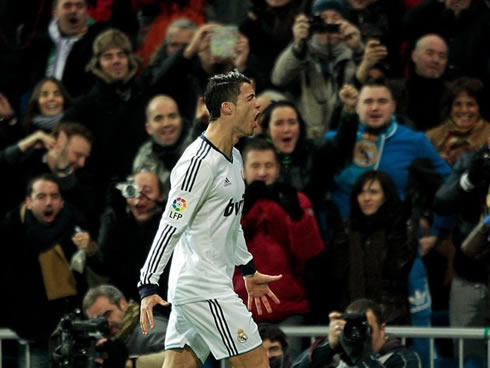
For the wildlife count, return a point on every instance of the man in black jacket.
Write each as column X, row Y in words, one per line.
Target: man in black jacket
column 465, row 195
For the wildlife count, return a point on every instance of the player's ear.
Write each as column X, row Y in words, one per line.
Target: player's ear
column 227, row 108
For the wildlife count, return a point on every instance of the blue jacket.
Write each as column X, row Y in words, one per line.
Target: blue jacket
column 393, row 152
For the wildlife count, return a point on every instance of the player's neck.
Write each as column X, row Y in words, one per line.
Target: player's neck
column 221, row 136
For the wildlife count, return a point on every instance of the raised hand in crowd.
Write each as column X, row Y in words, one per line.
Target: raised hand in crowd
column 349, row 96
column 83, row 241
column 38, row 139
column 6, row 111
column 200, row 41
column 242, row 52
column 351, row 35
column 301, row 31
column 457, row 5
column 374, row 52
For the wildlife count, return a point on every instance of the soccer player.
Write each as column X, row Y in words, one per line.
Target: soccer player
column 202, row 223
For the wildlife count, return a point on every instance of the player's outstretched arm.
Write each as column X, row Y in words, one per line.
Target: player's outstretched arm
column 258, row 291
column 146, row 311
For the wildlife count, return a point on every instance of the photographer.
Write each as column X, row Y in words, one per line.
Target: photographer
column 123, row 316
column 355, row 340
column 322, row 58
column 127, row 227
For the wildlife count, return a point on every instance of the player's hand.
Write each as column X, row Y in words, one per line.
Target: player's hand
column 146, row 311
column 258, row 291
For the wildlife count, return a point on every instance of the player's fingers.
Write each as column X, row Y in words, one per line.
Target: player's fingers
column 249, row 303
column 143, row 322
column 273, row 297
column 267, row 306
column 149, row 313
column 258, row 306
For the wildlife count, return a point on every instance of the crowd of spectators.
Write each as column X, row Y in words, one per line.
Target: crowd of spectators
column 369, row 169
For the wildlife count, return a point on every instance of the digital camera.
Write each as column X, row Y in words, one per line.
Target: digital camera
column 355, row 339
column 318, row 25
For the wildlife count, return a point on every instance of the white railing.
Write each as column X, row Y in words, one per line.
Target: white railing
column 431, row 333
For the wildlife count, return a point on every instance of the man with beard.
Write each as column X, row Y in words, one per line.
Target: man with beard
column 126, row 231
column 321, row 59
column 37, row 246
column 170, row 136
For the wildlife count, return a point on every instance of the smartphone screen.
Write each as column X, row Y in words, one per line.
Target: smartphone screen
column 223, row 41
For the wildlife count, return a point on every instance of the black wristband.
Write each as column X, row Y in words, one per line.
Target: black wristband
column 146, row 290
column 248, row 269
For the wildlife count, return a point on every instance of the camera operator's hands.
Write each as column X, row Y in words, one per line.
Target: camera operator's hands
column 288, row 199
column 349, row 96
column 301, row 31
column 258, row 290
column 335, row 328
column 146, row 311
column 479, row 171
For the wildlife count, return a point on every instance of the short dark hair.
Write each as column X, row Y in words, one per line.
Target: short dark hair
column 42, row 177
column 222, row 88
column 55, row 3
column 71, row 129
column 112, row 293
column 269, row 331
column 379, row 82
column 363, row 305
column 258, row 144
column 472, row 86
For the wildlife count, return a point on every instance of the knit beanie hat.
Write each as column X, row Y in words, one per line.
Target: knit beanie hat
column 112, row 38
column 321, row 5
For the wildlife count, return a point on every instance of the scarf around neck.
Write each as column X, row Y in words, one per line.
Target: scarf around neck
column 47, row 123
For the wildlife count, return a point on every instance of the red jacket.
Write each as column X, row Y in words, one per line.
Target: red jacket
column 281, row 246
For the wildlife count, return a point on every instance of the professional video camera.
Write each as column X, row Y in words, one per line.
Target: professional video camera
column 355, row 339
column 76, row 339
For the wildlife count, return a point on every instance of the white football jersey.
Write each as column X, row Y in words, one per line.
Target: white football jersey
column 202, row 223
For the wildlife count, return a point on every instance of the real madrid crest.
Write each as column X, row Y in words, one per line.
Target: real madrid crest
column 241, row 336
column 365, row 153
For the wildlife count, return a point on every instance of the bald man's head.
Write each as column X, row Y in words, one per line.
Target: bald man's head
column 430, row 56
column 163, row 120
